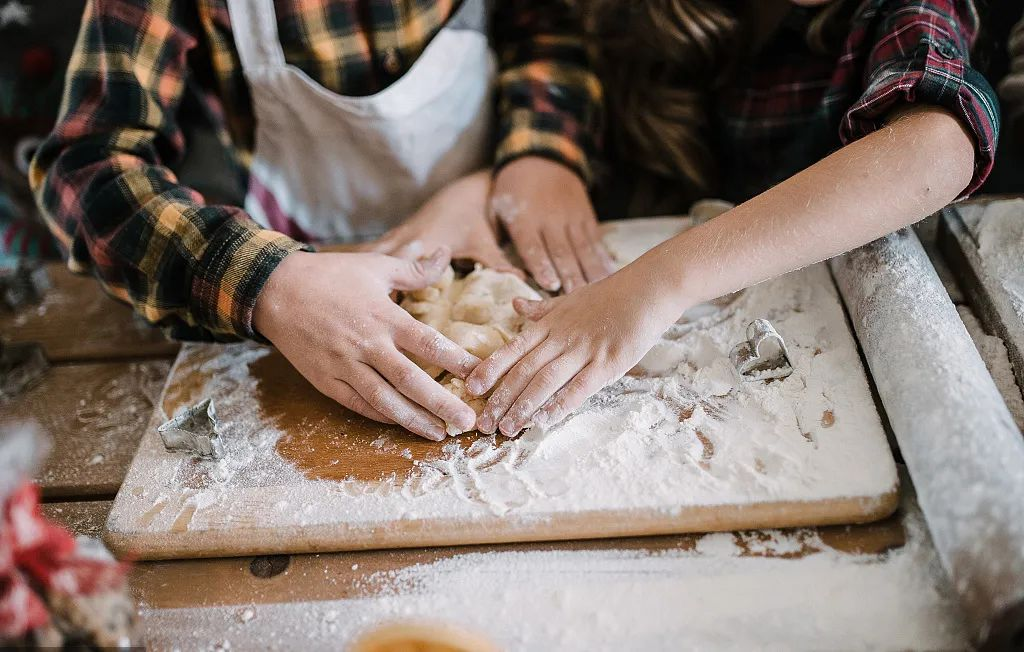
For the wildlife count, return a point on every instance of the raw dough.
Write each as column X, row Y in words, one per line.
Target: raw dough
column 475, row 312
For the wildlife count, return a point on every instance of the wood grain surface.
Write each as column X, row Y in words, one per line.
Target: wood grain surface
column 333, row 576
column 77, row 321
column 987, row 296
column 85, row 517
column 94, row 415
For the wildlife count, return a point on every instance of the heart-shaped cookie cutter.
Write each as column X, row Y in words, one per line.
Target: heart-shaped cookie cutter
column 763, row 356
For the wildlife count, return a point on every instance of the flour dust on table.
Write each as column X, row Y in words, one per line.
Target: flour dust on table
column 681, row 443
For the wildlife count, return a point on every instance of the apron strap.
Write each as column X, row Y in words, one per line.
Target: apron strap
column 254, row 25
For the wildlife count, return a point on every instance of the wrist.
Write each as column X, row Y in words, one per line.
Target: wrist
column 272, row 299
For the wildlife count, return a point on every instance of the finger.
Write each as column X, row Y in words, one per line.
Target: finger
column 607, row 261
column 542, row 387
column 595, row 267
column 513, row 384
column 343, row 393
column 585, row 384
column 417, row 385
column 385, row 399
column 431, row 346
column 531, row 249
column 533, row 310
column 417, row 274
column 564, row 258
column 487, row 373
column 491, row 256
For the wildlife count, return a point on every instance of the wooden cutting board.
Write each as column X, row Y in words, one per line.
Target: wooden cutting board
column 682, row 444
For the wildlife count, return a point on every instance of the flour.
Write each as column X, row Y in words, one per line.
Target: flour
column 739, row 591
column 993, row 352
column 681, row 432
column 1000, row 235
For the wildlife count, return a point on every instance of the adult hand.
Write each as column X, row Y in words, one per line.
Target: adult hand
column 544, row 207
column 331, row 316
column 575, row 346
column 455, row 217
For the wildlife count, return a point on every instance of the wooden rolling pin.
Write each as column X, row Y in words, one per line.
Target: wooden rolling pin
column 960, row 444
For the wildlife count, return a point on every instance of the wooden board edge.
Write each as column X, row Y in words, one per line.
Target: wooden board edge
column 992, row 306
column 140, row 545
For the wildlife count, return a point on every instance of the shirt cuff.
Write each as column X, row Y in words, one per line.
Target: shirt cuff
column 231, row 274
column 554, row 136
column 938, row 75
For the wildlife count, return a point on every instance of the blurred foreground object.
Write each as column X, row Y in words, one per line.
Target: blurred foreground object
column 55, row 590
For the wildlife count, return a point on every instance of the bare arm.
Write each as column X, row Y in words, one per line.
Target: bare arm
column 922, row 160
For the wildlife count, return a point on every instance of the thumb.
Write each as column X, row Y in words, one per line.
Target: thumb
column 418, row 274
column 533, row 310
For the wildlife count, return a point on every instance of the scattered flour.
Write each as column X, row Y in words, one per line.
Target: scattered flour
column 682, row 431
column 726, row 593
column 993, row 352
column 1000, row 235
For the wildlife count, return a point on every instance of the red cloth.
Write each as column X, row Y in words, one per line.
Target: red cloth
column 38, row 556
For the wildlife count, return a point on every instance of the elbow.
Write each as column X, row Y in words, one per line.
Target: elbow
column 950, row 148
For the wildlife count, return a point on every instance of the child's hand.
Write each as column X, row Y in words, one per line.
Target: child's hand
column 576, row 345
column 332, row 317
column 545, row 209
column 455, row 217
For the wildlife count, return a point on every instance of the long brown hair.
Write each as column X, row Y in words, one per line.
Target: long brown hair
column 660, row 60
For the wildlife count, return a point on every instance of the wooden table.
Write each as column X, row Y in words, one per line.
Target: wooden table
column 95, row 402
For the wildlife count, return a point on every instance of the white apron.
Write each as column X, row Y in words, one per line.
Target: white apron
column 329, row 167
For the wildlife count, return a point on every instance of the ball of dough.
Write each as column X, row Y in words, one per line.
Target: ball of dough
column 479, row 340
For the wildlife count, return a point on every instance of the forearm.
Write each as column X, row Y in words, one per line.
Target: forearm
column 918, row 163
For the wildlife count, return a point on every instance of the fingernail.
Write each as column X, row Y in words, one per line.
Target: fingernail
column 475, row 387
column 507, row 427
column 467, row 421
column 436, row 433
column 485, row 424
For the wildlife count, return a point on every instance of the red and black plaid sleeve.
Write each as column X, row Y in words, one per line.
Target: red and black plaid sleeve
column 918, row 52
column 549, row 98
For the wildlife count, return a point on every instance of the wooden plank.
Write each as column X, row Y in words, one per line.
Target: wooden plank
column 298, row 578
column 323, row 602
column 301, row 474
column 77, row 321
column 85, row 517
column 988, row 298
column 94, row 415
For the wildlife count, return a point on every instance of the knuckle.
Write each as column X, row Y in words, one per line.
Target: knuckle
column 378, row 397
column 432, row 343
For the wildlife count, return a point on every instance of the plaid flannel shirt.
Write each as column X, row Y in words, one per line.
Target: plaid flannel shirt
column 788, row 107
column 142, row 70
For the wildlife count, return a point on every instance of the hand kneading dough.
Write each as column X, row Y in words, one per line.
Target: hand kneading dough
column 475, row 312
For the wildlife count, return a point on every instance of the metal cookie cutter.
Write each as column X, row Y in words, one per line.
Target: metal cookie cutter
column 763, row 356
column 194, row 431
column 24, row 286
column 21, row 366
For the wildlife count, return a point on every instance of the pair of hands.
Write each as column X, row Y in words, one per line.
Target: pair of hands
column 332, row 316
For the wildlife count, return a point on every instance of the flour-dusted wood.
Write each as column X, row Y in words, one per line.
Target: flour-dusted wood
column 94, row 415
column 682, row 444
column 955, row 432
column 77, row 321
